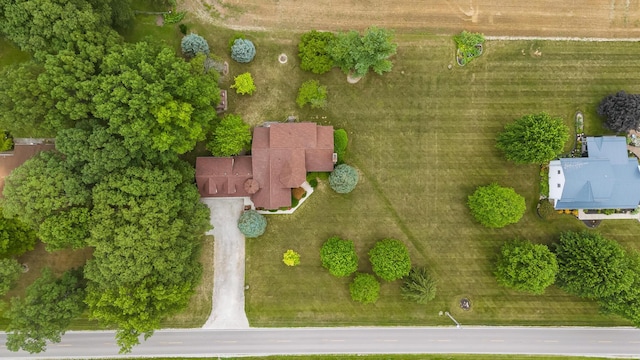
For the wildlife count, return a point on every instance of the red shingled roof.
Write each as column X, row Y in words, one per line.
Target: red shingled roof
column 282, row 154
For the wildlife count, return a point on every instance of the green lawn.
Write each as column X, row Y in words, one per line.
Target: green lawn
column 423, row 138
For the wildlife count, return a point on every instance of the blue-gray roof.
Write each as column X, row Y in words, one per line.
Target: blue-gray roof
column 606, row 179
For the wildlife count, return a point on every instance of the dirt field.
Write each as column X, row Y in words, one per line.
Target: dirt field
column 580, row 18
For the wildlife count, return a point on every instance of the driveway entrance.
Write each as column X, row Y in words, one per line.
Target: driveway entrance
column 228, row 265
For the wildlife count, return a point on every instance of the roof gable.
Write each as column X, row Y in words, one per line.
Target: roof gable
column 606, row 179
column 281, row 156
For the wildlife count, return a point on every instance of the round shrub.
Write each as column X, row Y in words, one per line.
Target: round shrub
column 546, row 210
column 194, row 44
column 252, row 224
column 291, row 258
column 339, row 256
column 312, row 51
column 243, row 51
column 365, row 288
column 343, row 179
column 244, row 84
column 525, row 266
column 390, row 259
column 419, row 286
column 495, row 206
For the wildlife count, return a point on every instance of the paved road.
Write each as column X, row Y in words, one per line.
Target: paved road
column 612, row 342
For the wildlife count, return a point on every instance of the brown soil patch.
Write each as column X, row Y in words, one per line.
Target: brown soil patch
column 587, row 18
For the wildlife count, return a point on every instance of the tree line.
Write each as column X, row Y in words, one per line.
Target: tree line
column 121, row 113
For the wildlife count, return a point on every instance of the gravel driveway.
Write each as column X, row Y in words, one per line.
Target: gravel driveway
column 228, row 272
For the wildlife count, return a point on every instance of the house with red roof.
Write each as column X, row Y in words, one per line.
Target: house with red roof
column 281, row 156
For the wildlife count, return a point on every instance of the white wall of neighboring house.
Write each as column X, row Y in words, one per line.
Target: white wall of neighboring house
column 556, row 181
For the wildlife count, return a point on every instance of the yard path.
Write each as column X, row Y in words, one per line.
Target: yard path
column 228, row 274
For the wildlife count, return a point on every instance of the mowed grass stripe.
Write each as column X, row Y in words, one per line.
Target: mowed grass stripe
column 423, row 137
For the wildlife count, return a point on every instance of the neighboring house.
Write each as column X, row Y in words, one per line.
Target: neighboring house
column 606, row 179
column 23, row 150
column 281, row 156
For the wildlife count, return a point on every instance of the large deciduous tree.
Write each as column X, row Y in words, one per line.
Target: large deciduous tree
column 339, row 256
column 155, row 100
column 533, row 139
column 46, row 311
column 25, row 107
column 495, row 206
column 146, row 230
column 621, row 111
column 525, row 266
column 230, row 137
column 626, row 303
column 93, row 152
column 359, row 54
column 390, row 259
column 44, row 185
column 592, row 266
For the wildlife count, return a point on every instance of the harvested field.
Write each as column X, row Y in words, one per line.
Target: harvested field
column 586, row 18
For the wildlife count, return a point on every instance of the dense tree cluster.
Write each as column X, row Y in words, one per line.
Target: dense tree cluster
column 358, row 54
column 525, row 266
column 46, row 311
column 495, row 206
column 121, row 114
column 533, row 139
column 621, row 111
column 591, row 266
column 350, row 51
